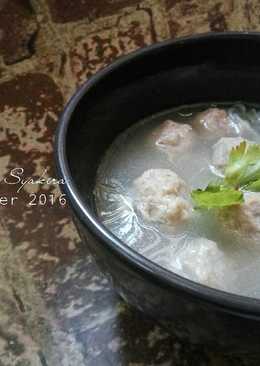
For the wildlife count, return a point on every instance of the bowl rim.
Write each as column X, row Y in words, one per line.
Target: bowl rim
column 237, row 304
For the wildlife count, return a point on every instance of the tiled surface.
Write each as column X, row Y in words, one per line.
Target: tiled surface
column 55, row 306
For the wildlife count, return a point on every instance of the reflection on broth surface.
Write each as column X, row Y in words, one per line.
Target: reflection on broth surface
column 143, row 195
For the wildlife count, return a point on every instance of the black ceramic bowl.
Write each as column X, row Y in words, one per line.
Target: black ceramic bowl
column 206, row 68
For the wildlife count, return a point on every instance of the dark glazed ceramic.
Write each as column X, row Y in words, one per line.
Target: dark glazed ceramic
column 213, row 67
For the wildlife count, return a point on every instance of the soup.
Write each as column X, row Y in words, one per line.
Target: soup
column 154, row 174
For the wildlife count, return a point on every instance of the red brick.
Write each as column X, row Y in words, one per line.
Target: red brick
column 17, row 30
column 71, row 10
column 251, row 12
column 191, row 16
column 90, row 53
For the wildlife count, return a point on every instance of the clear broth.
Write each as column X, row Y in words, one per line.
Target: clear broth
column 134, row 152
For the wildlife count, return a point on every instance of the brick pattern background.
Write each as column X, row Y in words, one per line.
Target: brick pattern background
column 47, row 49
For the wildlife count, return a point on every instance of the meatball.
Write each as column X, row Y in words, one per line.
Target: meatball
column 222, row 149
column 160, row 196
column 216, row 122
column 169, row 210
column 202, row 261
column 247, row 216
column 160, row 182
column 174, row 135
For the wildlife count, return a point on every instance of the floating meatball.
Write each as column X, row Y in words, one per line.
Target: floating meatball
column 216, row 122
column 202, row 261
column 222, row 149
column 161, row 195
column 160, row 182
column 169, row 210
column 174, row 135
column 247, row 216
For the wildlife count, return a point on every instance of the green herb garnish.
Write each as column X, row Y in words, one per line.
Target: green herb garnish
column 219, row 197
column 253, row 187
column 243, row 166
column 242, row 173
